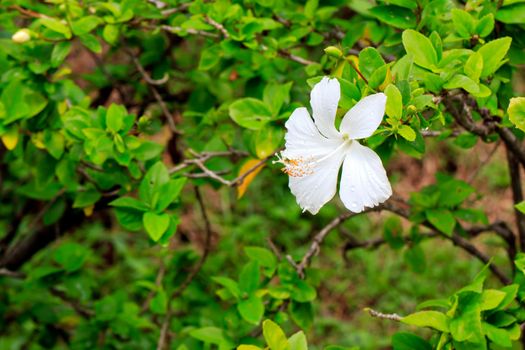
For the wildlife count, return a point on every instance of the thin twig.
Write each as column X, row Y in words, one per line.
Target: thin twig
column 517, row 195
column 391, row 317
column 163, row 338
column 217, row 26
column 9, row 273
column 318, row 239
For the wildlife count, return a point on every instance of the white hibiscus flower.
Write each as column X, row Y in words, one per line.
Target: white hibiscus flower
column 315, row 151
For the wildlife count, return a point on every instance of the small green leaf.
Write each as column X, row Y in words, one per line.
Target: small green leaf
column 516, row 111
column 128, row 202
column 408, row 341
column 298, row 341
column 474, row 66
column 250, row 113
column 407, row 132
column 91, row 42
column 491, row 298
column 115, row 117
column 110, row 33
column 493, row 54
column 56, row 26
column 463, row 82
column 274, row 336
column 442, row 219
column 60, row 52
column 464, row 23
column 212, row 335
column 369, row 61
column 485, row 25
column 421, row 48
column 276, row 95
column 432, row 319
column 251, row 309
column 497, row 335
column 514, row 13
column 394, row 102
column 395, row 16
column 85, row 25
column 249, row 277
column 155, row 224
column 263, row 256
column 86, row 198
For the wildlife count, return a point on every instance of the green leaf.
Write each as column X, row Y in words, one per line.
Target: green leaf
column 263, row 256
column 250, row 113
column 86, row 198
column 151, row 185
column 159, row 303
column 516, row 111
column 520, row 206
column 212, row 335
column 170, row 192
column 442, row 219
column 493, row 53
column 464, row 23
column 395, row 16
column 491, row 299
column 60, row 52
column 276, row 95
column 110, row 33
column 71, row 256
column 394, row 102
column 210, row 57
column 433, row 319
column 407, row 132
column 115, row 117
column 408, row 341
column 514, row 13
column 128, row 202
column 298, row 341
column 474, row 66
column 85, row 25
column 420, row 47
column 485, row 25
column 369, row 61
column 497, row 335
column 229, row 284
column 393, row 232
column 56, row 26
column 249, row 277
column 274, row 336
column 251, row 309
column 463, row 82
column 91, row 42
column 155, row 224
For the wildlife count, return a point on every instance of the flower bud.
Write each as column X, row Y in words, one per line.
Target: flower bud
column 21, row 36
column 412, row 109
column 333, row 52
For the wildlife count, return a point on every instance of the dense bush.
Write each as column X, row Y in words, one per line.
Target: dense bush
column 143, row 204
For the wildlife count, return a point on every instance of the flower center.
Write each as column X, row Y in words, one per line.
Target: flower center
column 304, row 166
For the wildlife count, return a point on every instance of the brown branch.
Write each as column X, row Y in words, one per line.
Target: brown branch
column 217, row 26
column 455, row 239
column 318, row 239
column 391, row 317
column 517, row 195
column 80, row 309
column 163, row 338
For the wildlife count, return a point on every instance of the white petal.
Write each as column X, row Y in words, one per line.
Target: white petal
column 363, row 119
column 363, row 181
column 324, row 99
column 303, row 138
column 316, row 189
